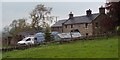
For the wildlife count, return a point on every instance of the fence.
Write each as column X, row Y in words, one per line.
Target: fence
column 19, row 47
column 22, row 47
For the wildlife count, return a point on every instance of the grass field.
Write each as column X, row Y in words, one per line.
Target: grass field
column 97, row 48
column 0, row 55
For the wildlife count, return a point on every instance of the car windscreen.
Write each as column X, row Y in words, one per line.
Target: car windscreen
column 28, row 39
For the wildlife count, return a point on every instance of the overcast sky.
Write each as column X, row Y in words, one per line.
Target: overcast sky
column 53, row 0
column 12, row 10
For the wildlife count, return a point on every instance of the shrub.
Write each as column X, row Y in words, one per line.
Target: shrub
column 48, row 37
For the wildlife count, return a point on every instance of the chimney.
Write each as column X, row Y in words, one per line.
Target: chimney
column 102, row 10
column 70, row 15
column 88, row 12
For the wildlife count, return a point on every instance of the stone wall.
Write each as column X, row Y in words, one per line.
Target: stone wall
column 81, row 27
column 103, row 21
column 100, row 25
column 58, row 29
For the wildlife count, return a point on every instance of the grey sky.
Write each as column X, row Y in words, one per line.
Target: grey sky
column 53, row 0
column 0, row 16
column 16, row 10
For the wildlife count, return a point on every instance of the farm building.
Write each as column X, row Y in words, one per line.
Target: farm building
column 87, row 25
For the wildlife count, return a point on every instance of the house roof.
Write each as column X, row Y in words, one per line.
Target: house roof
column 77, row 19
column 59, row 23
column 27, row 33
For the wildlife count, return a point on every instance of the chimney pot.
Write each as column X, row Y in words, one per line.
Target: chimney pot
column 70, row 15
column 88, row 12
column 102, row 10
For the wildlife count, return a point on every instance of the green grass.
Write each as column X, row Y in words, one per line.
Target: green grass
column 0, row 53
column 98, row 48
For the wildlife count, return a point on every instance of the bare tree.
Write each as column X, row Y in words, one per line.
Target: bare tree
column 6, row 29
column 14, row 24
column 40, row 16
column 22, row 23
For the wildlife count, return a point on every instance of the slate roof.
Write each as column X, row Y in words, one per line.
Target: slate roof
column 59, row 23
column 77, row 19
column 27, row 33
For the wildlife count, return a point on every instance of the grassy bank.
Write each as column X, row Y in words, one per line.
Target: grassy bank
column 98, row 48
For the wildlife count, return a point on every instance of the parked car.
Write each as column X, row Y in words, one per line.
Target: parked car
column 27, row 41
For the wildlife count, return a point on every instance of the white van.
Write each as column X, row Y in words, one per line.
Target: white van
column 39, row 38
column 27, row 41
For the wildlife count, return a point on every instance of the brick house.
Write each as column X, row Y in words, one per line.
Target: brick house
column 89, row 24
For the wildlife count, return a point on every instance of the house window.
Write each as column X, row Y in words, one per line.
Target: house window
column 65, row 26
column 71, row 26
column 96, row 24
column 86, row 25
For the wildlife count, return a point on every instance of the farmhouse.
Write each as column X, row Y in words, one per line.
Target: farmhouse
column 89, row 24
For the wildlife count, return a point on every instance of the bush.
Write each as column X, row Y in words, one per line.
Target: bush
column 47, row 37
